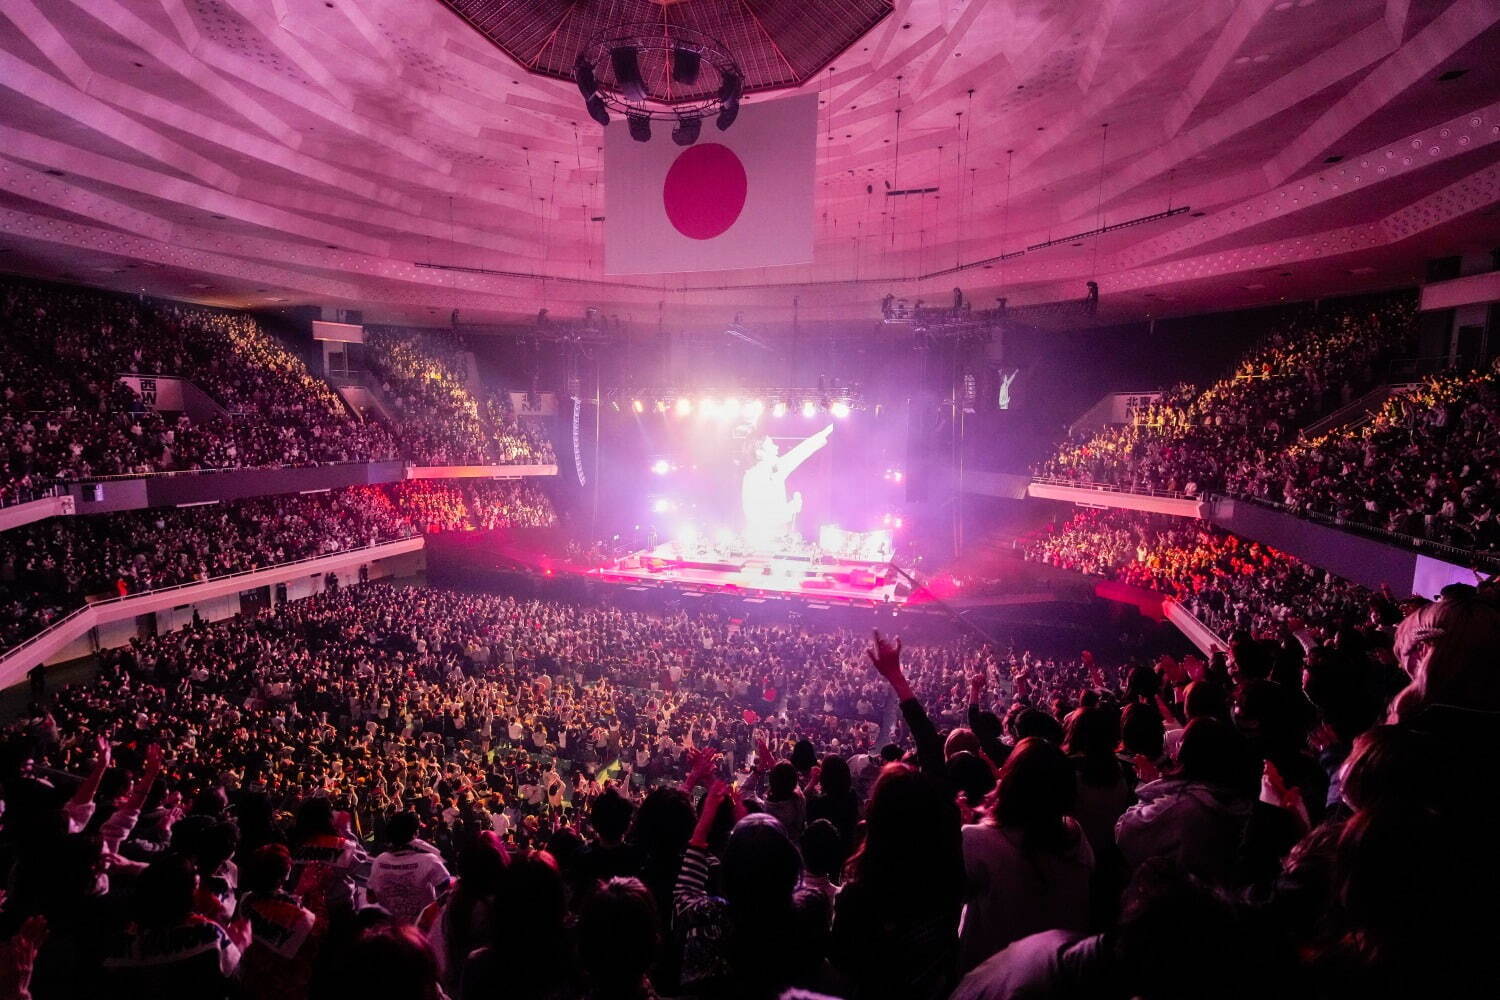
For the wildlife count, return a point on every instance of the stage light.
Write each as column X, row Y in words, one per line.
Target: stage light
column 728, row 115
column 779, row 410
column 754, row 409
column 627, row 66
column 597, row 109
column 661, row 505
column 729, row 100
column 839, row 409
column 583, row 74
column 687, row 130
column 731, row 408
column 661, row 406
column 809, row 410
column 661, row 467
column 897, row 523
column 708, row 407
column 684, row 406
column 638, row 406
column 640, row 127
column 897, row 476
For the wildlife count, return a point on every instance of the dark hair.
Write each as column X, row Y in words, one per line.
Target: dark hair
column 618, row 935
column 782, row 781
column 834, row 778
column 1090, row 736
column 760, row 872
column 911, row 859
column 1141, row 730
column 392, row 961
column 1033, row 722
column 1142, row 683
column 267, row 869
column 314, row 818
column 804, row 756
column 664, row 823
column 164, row 892
column 972, row 775
column 610, row 815
column 1398, row 767
column 822, row 848
column 1215, row 754
column 402, row 829
column 1206, row 699
column 482, row 868
column 1176, row 935
column 1035, row 791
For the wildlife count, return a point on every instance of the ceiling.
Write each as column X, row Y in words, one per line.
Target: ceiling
column 382, row 154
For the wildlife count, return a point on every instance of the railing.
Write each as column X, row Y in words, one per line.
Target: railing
column 31, row 494
column 1352, row 414
column 1111, row 488
column 219, row 470
column 94, row 606
column 1193, row 627
column 1426, row 546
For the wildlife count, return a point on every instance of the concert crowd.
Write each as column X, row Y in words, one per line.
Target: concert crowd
column 65, row 414
column 50, row 567
column 1197, row 441
column 421, row 793
column 1426, row 465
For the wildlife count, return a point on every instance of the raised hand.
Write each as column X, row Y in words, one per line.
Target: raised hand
column 701, row 764
column 977, row 684
column 886, row 656
column 763, row 758
column 18, row 957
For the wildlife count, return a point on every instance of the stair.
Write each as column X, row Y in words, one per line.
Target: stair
column 1353, row 414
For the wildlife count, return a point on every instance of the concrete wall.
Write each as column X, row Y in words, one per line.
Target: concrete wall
column 479, row 471
column 1099, row 496
column 37, row 510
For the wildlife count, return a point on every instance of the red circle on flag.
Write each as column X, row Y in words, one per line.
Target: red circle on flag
column 704, row 192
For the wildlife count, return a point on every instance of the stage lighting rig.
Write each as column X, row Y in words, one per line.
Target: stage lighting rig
column 659, row 71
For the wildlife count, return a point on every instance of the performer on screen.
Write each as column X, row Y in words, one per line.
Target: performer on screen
column 769, row 515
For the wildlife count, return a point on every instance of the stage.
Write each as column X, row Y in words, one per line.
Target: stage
column 802, row 573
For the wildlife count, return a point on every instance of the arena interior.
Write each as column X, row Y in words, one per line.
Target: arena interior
column 749, row 499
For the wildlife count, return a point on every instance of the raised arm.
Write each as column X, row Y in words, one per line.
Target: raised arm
column 787, row 464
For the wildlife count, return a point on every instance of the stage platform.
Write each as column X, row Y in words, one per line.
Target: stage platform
column 781, row 575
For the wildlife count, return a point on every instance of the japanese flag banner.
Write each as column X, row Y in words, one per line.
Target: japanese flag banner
column 734, row 199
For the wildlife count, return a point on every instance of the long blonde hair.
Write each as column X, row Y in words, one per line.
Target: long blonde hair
column 1450, row 648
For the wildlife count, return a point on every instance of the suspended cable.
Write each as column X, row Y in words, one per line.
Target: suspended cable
column 1099, row 205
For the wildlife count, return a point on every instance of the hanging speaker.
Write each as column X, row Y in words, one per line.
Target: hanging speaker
column 626, row 62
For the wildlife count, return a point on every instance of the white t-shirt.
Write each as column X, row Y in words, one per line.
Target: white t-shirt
column 406, row 879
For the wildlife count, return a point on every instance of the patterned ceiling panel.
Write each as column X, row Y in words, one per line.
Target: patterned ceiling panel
column 778, row 43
